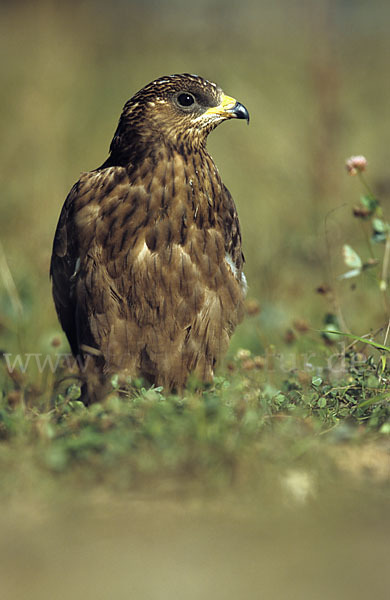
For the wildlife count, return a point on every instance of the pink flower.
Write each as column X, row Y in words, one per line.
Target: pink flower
column 356, row 164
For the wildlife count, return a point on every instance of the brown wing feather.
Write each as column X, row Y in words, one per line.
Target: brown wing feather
column 232, row 230
column 62, row 267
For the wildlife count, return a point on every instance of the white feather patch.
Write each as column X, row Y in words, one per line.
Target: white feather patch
column 143, row 252
column 233, row 269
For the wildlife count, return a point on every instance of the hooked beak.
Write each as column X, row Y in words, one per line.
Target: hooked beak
column 229, row 108
column 240, row 112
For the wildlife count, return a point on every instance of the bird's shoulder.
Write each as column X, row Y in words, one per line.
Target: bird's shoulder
column 83, row 205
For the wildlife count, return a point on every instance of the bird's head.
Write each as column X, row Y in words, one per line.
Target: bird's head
column 177, row 110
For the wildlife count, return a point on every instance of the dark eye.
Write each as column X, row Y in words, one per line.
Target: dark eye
column 185, row 99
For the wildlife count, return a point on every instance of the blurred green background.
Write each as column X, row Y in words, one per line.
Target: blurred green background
column 314, row 76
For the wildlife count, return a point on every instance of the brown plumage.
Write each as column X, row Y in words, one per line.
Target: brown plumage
column 147, row 261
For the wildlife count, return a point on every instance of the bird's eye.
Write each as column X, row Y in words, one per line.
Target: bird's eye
column 185, row 99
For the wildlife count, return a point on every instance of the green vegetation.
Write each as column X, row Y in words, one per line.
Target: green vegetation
column 291, row 443
column 210, row 435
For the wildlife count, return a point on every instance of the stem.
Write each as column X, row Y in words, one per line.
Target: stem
column 365, row 184
column 13, row 295
column 386, row 255
column 334, row 296
column 387, row 333
column 385, row 268
column 367, row 239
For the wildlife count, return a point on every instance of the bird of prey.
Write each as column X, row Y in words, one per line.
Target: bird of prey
column 147, row 265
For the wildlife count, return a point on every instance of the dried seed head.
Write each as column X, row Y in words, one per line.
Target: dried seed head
column 324, row 289
column 289, row 336
column 260, row 362
column 243, row 354
column 301, row 325
column 361, row 212
column 252, row 307
column 248, row 364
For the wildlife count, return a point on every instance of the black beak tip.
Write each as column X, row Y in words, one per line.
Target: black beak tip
column 241, row 112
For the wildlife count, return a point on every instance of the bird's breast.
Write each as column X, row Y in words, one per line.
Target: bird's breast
column 165, row 219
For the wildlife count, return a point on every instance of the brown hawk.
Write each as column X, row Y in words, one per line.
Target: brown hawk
column 147, row 261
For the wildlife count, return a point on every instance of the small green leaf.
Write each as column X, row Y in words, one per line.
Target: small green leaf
column 350, row 274
column 322, row 402
column 329, row 332
column 380, row 226
column 351, row 258
column 356, row 338
column 385, row 429
column 369, row 202
column 380, row 230
column 115, row 381
column 73, row 392
column 77, row 405
column 378, row 238
column 280, row 398
column 372, row 381
column 374, row 400
column 316, row 381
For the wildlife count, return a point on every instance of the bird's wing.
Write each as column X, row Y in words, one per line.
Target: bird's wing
column 89, row 247
column 232, row 231
column 63, row 269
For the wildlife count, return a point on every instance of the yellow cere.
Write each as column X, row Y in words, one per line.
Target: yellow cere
column 226, row 105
